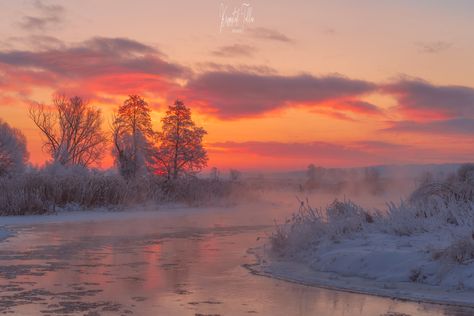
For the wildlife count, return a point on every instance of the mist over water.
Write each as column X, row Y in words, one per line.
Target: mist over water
column 175, row 261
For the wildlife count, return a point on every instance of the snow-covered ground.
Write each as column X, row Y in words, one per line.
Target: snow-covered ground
column 377, row 264
column 421, row 249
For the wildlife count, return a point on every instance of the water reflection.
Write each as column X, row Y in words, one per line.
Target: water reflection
column 189, row 263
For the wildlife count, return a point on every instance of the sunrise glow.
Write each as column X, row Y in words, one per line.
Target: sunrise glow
column 326, row 82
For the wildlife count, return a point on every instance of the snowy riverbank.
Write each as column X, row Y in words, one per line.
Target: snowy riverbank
column 420, row 249
column 377, row 264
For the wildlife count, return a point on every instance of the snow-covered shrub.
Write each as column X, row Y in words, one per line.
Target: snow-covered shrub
column 447, row 206
column 20, row 196
column 409, row 218
column 466, row 173
column 436, row 205
column 43, row 190
column 417, row 275
column 40, row 191
column 304, row 227
column 346, row 217
column 461, row 250
column 309, row 225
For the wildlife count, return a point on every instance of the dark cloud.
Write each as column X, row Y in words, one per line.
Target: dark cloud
column 433, row 47
column 239, row 94
column 48, row 15
column 95, row 57
column 236, row 50
column 269, row 34
column 458, row 126
column 423, row 100
column 432, row 109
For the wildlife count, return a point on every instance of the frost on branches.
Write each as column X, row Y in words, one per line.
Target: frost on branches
column 180, row 150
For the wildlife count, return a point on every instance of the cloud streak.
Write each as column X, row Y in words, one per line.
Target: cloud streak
column 422, row 100
column 117, row 66
column 433, row 47
column 236, row 50
column 267, row 34
column 48, row 16
column 241, row 94
column 358, row 153
column 96, row 56
column 458, row 126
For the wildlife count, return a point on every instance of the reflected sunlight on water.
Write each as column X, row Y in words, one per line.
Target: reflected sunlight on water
column 179, row 263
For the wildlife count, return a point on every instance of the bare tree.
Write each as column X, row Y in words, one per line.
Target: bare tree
column 13, row 153
column 132, row 136
column 180, row 151
column 72, row 130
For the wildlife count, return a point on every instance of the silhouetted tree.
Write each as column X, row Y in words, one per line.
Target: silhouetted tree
column 214, row 175
column 13, row 154
column 132, row 136
column 234, row 175
column 180, row 151
column 373, row 180
column 72, row 130
column 314, row 175
column 311, row 173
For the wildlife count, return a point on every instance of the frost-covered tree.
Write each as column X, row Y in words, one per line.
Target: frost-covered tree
column 180, row 151
column 13, row 153
column 133, row 137
column 72, row 130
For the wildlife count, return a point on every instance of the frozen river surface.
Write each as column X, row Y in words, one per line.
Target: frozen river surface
column 174, row 262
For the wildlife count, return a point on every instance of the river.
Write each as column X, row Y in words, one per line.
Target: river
column 165, row 262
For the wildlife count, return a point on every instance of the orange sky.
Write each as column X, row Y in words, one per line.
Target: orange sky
column 335, row 83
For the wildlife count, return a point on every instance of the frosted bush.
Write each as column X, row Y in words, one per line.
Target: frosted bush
column 310, row 225
column 346, row 217
column 466, row 173
column 461, row 250
column 409, row 218
column 446, row 207
column 304, row 227
column 55, row 186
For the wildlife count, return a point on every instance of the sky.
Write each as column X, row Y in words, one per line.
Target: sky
column 277, row 84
